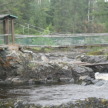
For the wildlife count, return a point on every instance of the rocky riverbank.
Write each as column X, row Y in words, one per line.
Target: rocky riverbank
column 87, row 103
column 19, row 66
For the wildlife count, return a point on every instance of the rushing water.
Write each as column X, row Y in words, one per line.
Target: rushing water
column 56, row 94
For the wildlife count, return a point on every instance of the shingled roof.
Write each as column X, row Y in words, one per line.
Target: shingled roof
column 7, row 16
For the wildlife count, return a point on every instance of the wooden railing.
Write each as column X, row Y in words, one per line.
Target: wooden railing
column 62, row 39
column 57, row 39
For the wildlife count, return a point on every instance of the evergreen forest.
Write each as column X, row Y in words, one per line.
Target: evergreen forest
column 57, row 16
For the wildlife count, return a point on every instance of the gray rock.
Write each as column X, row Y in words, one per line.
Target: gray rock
column 94, row 59
column 51, row 81
column 66, row 80
column 72, row 81
column 2, row 74
column 52, row 71
column 83, row 83
column 100, row 82
column 19, row 104
column 31, row 81
column 17, row 81
column 95, row 81
column 82, row 73
column 44, row 58
column 86, row 79
column 82, row 69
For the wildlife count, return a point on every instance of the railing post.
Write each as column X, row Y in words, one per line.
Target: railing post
column 12, row 31
column 6, row 30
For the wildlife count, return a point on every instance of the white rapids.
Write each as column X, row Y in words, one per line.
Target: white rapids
column 102, row 76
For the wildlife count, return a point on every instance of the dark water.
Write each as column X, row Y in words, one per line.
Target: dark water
column 54, row 95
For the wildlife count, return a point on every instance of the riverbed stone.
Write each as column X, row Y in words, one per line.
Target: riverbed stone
column 82, row 73
column 66, row 80
column 82, row 69
column 2, row 73
column 100, row 82
column 72, row 81
column 86, row 80
column 18, row 81
column 94, row 59
column 31, row 81
column 18, row 104
column 52, row 72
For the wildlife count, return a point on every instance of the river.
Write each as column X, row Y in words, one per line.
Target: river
column 54, row 94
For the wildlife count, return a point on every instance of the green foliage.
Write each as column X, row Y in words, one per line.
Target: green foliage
column 96, row 51
column 42, row 41
column 62, row 16
column 47, row 30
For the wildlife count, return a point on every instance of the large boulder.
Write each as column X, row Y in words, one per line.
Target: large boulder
column 59, row 72
column 53, row 72
column 82, row 73
column 94, row 59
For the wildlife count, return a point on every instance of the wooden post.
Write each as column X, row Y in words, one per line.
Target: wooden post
column 6, row 30
column 12, row 31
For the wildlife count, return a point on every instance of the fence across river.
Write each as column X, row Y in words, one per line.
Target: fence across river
column 63, row 39
column 59, row 39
